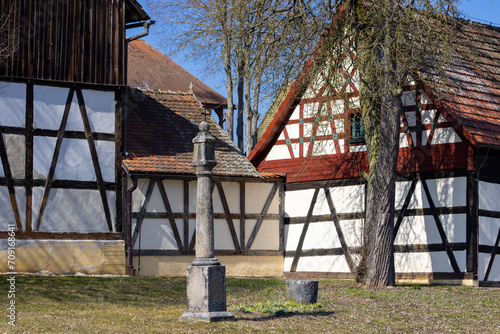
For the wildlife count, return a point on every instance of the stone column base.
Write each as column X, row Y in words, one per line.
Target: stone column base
column 207, row 316
column 206, row 294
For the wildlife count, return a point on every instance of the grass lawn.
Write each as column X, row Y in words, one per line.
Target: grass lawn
column 58, row 304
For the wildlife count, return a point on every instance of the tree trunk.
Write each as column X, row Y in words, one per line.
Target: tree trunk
column 228, row 70
column 383, row 148
column 240, row 90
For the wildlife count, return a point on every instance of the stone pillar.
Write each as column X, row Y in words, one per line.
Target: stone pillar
column 206, row 286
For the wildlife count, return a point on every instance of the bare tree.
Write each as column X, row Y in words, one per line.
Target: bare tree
column 393, row 39
column 8, row 32
column 252, row 40
column 270, row 40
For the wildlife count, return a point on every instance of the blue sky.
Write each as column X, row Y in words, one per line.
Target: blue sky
column 484, row 11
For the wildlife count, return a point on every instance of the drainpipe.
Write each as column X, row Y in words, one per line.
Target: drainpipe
column 130, row 267
column 146, row 26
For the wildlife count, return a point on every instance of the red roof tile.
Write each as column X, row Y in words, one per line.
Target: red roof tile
column 471, row 94
column 160, row 130
column 148, row 68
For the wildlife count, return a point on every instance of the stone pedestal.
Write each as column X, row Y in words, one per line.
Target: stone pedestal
column 206, row 294
column 206, row 287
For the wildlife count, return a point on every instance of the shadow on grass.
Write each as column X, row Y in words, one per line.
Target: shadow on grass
column 262, row 317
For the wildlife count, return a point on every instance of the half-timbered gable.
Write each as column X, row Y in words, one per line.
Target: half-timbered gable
column 61, row 109
column 445, row 227
column 162, row 193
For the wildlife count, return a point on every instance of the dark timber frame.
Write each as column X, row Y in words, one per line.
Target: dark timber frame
column 186, row 246
column 29, row 132
column 471, row 244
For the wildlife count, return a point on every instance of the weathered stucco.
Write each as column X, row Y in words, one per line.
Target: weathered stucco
column 92, row 257
column 236, row 265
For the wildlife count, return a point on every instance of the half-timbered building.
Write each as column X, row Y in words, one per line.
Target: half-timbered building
column 162, row 121
column 161, row 193
column 61, row 106
column 447, row 226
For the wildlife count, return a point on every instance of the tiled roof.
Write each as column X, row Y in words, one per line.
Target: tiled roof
column 148, row 68
column 471, row 97
column 160, row 130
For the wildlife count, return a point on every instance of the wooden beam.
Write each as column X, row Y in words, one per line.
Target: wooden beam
column 55, row 157
column 261, row 218
column 22, row 235
column 144, row 208
column 298, row 253
column 492, row 257
column 340, row 234
column 28, row 169
column 170, row 216
column 472, row 226
column 229, row 220
column 95, row 158
column 404, row 208
column 281, row 199
column 439, row 226
column 242, row 213
column 9, row 182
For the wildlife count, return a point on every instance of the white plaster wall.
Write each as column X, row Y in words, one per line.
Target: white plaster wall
column 357, row 148
column 100, row 110
column 297, row 202
column 6, row 213
column 488, row 230
column 423, row 229
column 278, row 152
column 326, row 147
column 346, row 199
column 327, row 263
column 16, row 154
column 73, row 210
column 222, row 234
column 173, row 188
column 483, row 262
column 156, row 234
column 48, row 109
column 445, row 136
column 232, row 194
column 292, row 234
column 427, row 262
column 293, row 131
column 445, row 192
column 321, row 235
column 74, row 161
column 408, row 98
column 268, row 236
column 296, row 113
column 489, row 196
column 256, row 195
column 12, row 104
column 49, row 104
column 353, row 231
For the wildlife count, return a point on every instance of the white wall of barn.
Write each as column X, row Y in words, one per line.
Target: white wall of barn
column 67, row 210
column 489, row 228
column 414, row 230
column 157, row 233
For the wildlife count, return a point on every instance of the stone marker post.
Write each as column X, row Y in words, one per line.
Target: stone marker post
column 206, row 286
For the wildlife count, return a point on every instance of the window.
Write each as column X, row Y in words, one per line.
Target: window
column 357, row 132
